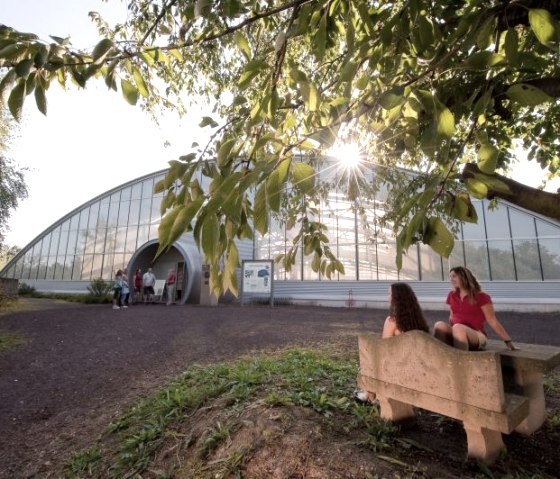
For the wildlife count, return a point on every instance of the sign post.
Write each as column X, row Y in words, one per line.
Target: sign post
column 257, row 278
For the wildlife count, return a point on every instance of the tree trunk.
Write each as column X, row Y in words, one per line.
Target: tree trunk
column 532, row 199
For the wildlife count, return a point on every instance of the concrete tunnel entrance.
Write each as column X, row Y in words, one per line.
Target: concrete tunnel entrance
column 184, row 257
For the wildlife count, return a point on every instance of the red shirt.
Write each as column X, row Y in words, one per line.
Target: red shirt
column 171, row 277
column 467, row 313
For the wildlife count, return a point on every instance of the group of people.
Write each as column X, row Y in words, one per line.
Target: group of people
column 143, row 287
column 470, row 310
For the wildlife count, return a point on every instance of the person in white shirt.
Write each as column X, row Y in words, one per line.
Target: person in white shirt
column 148, row 282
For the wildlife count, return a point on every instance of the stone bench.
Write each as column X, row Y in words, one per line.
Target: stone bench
column 416, row 370
column 523, row 372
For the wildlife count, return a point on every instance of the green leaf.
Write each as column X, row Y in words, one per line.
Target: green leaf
column 24, row 67
column 41, row 99
column 476, row 188
column 102, row 48
column 274, row 190
column 260, row 210
column 181, row 223
column 283, row 169
column 176, row 53
column 273, row 103
column 488, row 158
column 438, row 237
column 210, row 235
column 511, row 46
column 15, row 100
column 304, row 177
column 320, row 40
column 543, row 26
column 207, row 121
column 527, row 95
column 7, row 83
column 485, row 59
column 446, row 123
column 30, row 82
column 164, row 228
column 391, row 98
column 252, row 69
column 426, row 31
column 149, row 57
column 11, row 51
column 140, row 83
column 41, row 56
column 202, row 8
column 463, row 209
column 310, row 94
column 60, row 40
column 485, row 34
column 129, row 92
column 242, row 44
column 224, row 151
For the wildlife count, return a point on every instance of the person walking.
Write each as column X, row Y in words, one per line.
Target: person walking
column 125, row 290
column 117, row 288
column 470, row 309
column 138, row 286
column 148, row 283
column 171, row 283
column 405, row 314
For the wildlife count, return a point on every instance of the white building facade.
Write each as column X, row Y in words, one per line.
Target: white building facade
column 515, row 254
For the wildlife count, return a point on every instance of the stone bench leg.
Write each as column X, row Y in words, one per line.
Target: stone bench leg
column 393, row 410
column 531, row 383
column 483, row 444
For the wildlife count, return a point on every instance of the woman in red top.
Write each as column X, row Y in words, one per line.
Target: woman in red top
column 470, row 310
column 138, row 286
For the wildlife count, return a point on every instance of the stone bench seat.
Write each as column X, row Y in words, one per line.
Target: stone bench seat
column 416, row 370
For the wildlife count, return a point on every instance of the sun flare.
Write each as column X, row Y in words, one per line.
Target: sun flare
column 349, row 154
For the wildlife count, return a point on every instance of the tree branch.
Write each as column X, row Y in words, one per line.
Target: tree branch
column 164, row 10
column 532, row 199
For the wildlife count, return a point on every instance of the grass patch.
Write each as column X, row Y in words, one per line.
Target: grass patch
column 220, row 420
column 9, row 340
column 295, row 377
column 551, row 382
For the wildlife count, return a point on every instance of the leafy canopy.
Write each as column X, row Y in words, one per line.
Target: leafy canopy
column 442, row 88
column 13, row 188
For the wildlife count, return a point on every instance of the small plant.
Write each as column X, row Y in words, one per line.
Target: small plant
column 551, row 383
column 231, row 466
column 214, row 437
column 84, row 461
column 9, row 340
column 275, row 399
column 554, row 421
column 26, row 290
column 99, row 287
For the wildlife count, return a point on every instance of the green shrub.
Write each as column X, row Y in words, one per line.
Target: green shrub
column 99, row 287
column 26, row 290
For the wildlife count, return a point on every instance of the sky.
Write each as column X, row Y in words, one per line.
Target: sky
column 92, row 140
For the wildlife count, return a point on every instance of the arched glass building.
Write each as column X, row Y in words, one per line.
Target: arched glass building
column 514, row 253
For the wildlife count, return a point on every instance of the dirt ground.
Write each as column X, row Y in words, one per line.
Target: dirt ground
column 84, row 365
